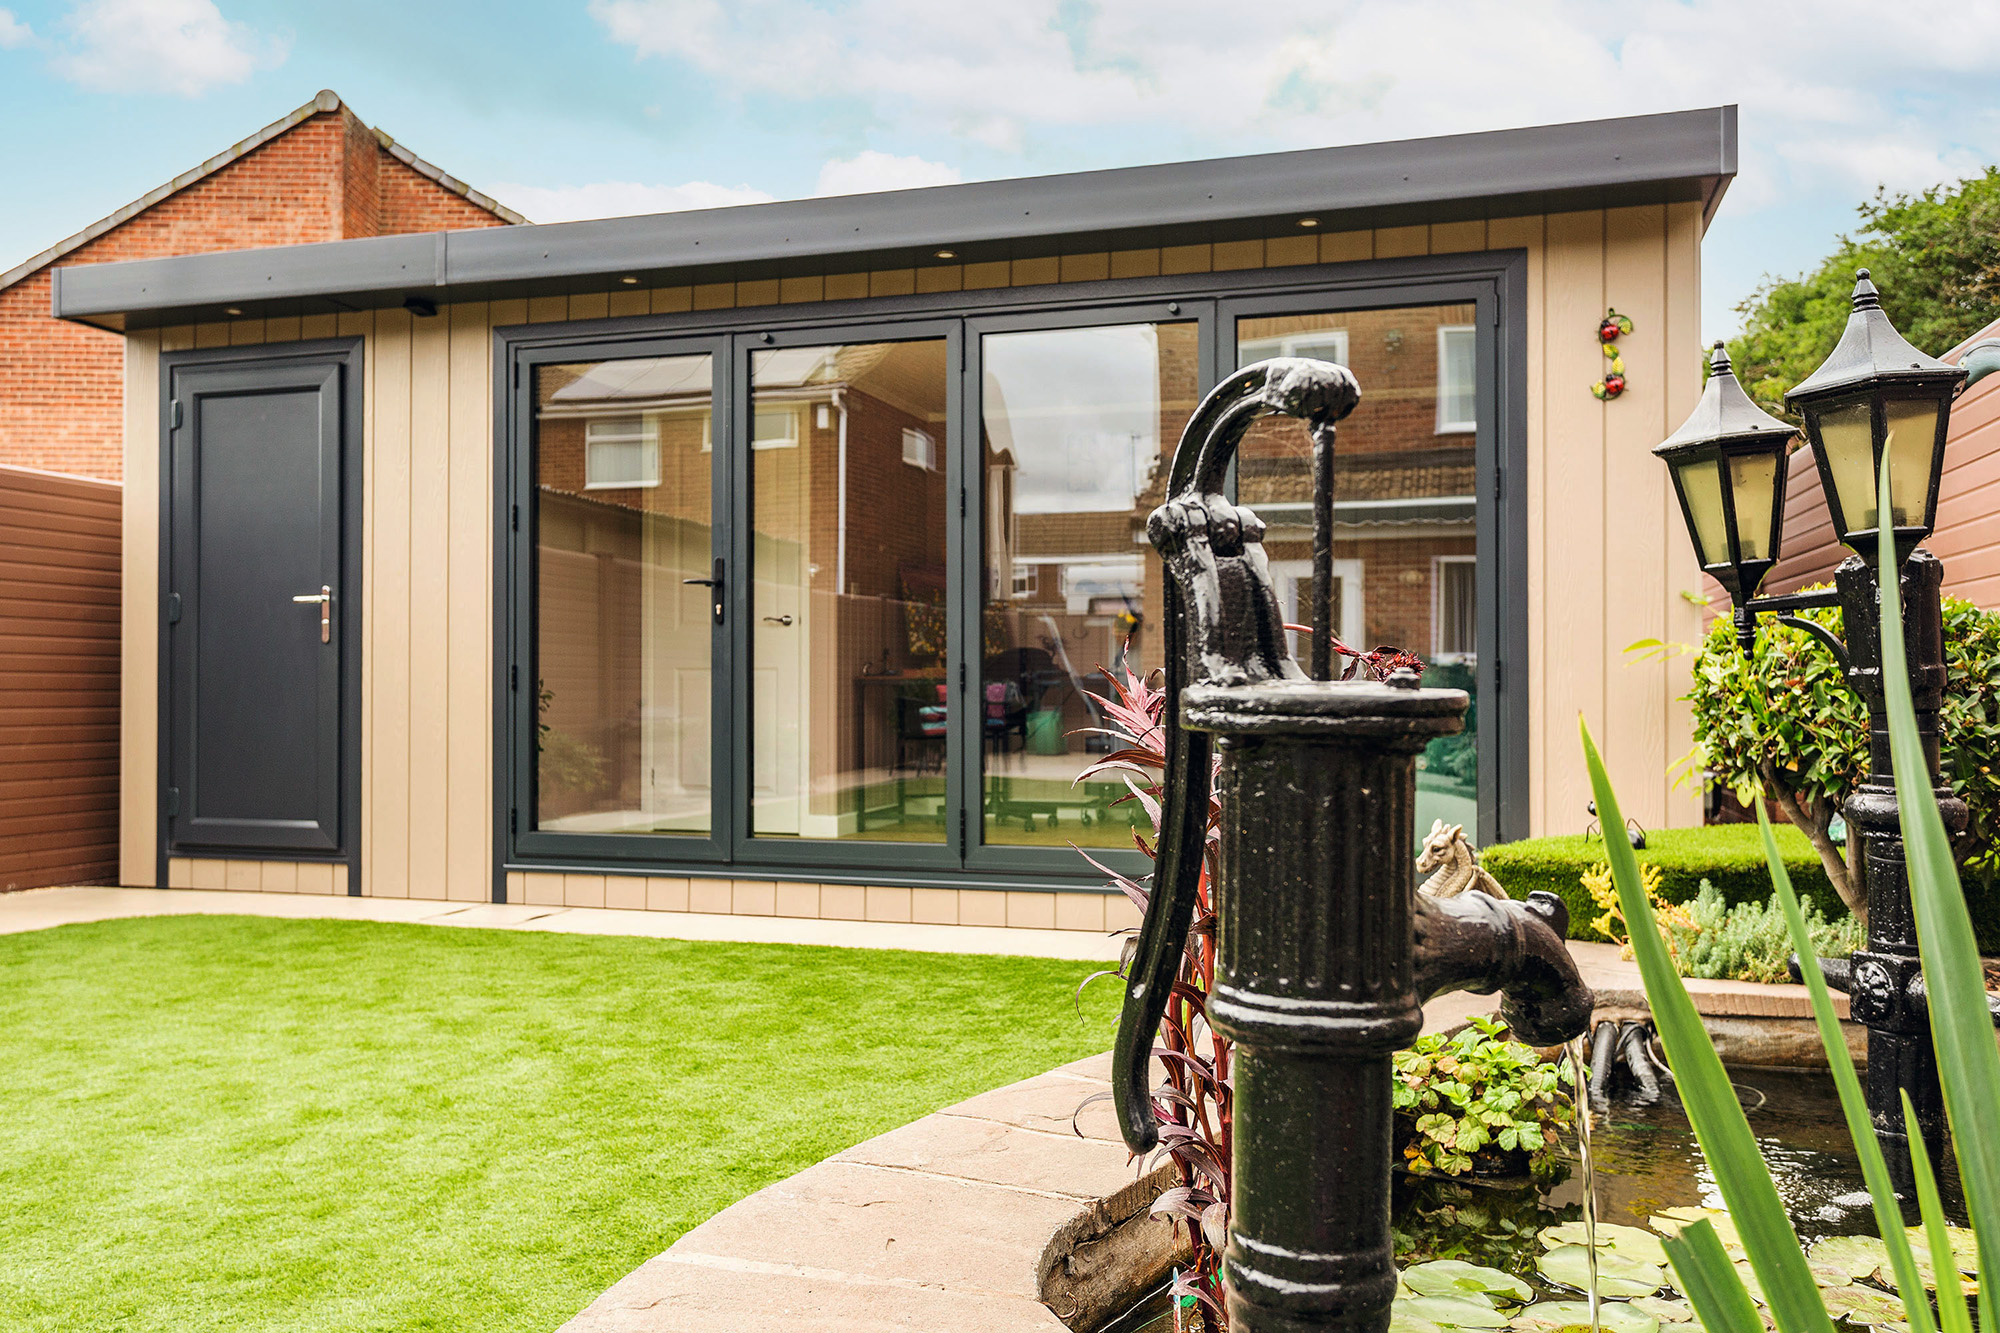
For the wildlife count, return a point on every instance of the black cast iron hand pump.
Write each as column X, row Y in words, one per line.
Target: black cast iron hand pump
column 1875, row 394
column 1325, row 952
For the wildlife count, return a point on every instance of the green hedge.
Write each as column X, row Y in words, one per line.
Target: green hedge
column 1730, row 856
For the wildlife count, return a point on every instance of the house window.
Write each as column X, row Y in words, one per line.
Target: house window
column 1454, row 608
column 1025, row 580
column 1318, row 344
column 1458, row 381
column 919, row 449
column 620, row 453
column 774, row 428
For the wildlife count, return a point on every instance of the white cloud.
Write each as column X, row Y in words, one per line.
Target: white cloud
column 184, row 47
column 869, row 171
column 13, row 32
column 1184, row 72
column 617, row 199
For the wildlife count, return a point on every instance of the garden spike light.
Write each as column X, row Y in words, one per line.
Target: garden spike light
column 1324, row 949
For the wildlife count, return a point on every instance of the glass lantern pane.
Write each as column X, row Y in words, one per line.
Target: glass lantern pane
column 1753, row 478
column 1701, row 490
column 1912, row 426
column 1844, row 435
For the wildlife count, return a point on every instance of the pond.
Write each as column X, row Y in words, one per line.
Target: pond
column 1647, row 1162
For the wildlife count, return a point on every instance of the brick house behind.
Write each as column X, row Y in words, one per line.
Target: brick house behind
column 318, row 174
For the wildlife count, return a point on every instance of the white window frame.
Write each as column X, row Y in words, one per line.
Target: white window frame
column 1288, row 344
column 795, row 411
column 1438, row 563
column 1287, row 576
column 1444, row 334
column 925, row 452
column 1027, row 579
column 646, row 438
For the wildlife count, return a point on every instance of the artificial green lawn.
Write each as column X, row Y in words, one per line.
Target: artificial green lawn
column 242, row 1123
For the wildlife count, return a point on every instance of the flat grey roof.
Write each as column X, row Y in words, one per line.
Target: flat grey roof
column 1675, row 157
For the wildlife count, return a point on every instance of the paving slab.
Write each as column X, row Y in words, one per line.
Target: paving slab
column 970, row 1147
column 44, row 909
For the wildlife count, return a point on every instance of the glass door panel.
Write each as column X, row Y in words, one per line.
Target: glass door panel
column 1076, row 428
column 622, row 520
column 1405, row 536
column 848, row 587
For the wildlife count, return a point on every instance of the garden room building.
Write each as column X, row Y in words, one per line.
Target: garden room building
column 774, row 559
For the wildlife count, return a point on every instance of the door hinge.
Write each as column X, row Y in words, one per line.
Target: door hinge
column 1498, row 674
column 173, row 802
column 513, row 821
column 514, row 517
column 961, row 675
column 961, row 834
column 174, row 414
column 173, row 608
column 1499, row 483
column 513, row 677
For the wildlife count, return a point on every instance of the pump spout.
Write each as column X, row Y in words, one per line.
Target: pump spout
column 1482, row 944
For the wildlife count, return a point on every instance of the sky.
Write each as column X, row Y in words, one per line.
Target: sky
column 581, row 108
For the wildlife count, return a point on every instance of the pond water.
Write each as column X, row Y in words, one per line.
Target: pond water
column 1647, row 1161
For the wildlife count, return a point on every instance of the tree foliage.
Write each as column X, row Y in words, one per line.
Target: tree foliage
column 1935, row 256
column 1781, row 721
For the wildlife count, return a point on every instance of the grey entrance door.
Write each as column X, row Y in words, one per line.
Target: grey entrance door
column 261, row 572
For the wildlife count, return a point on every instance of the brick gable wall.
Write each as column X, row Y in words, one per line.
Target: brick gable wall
column 328, row 178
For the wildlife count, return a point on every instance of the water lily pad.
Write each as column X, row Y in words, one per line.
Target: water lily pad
column 1857, row 1256
column 1864, row 1305
column 1453, row 1311
column 1632, row 1242
column 1614, row 1316
column 1964, row 1246
column 1664, row 1310
column 1617, row 1274
column 1455, row 1277
column 1669, row 1221
column 1400, row 1321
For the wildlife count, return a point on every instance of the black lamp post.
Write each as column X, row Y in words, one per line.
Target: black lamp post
column 1876, row 394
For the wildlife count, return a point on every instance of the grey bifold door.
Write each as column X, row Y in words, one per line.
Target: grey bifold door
column 261, row 622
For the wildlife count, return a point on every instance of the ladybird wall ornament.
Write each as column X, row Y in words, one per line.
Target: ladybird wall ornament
column 1612, row 327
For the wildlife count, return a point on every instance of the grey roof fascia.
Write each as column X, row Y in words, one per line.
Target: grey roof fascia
column 1683, row 156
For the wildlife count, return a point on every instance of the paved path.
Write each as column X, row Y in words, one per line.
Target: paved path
column 40, row 909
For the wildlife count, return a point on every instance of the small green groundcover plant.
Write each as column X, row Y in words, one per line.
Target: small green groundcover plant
column 1472, row 1101
column 1717, row 940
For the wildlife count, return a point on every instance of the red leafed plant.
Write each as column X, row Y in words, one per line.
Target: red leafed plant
column 1194, row 1104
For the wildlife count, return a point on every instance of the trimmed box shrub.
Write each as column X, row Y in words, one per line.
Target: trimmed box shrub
column 1729, row 856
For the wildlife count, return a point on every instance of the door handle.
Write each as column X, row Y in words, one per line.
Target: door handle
column 715, row 585
column 325, row 599
column 777, row 620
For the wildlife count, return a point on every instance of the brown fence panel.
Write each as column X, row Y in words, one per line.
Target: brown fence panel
column 59, row 595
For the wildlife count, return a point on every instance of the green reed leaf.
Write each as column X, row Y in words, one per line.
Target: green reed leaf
column 1853, row 1102
column 1954, row 981
column 1952, row 1313
column 1707, row 1277
column 1706, row 1093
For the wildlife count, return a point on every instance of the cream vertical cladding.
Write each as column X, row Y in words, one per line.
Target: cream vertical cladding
column 1681, row 328
column 1526, row 233
column 387, row 610
column 468, row 662
column 431, row 608
column 1572, row 652
column 139, row 618
column 1634, row 728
